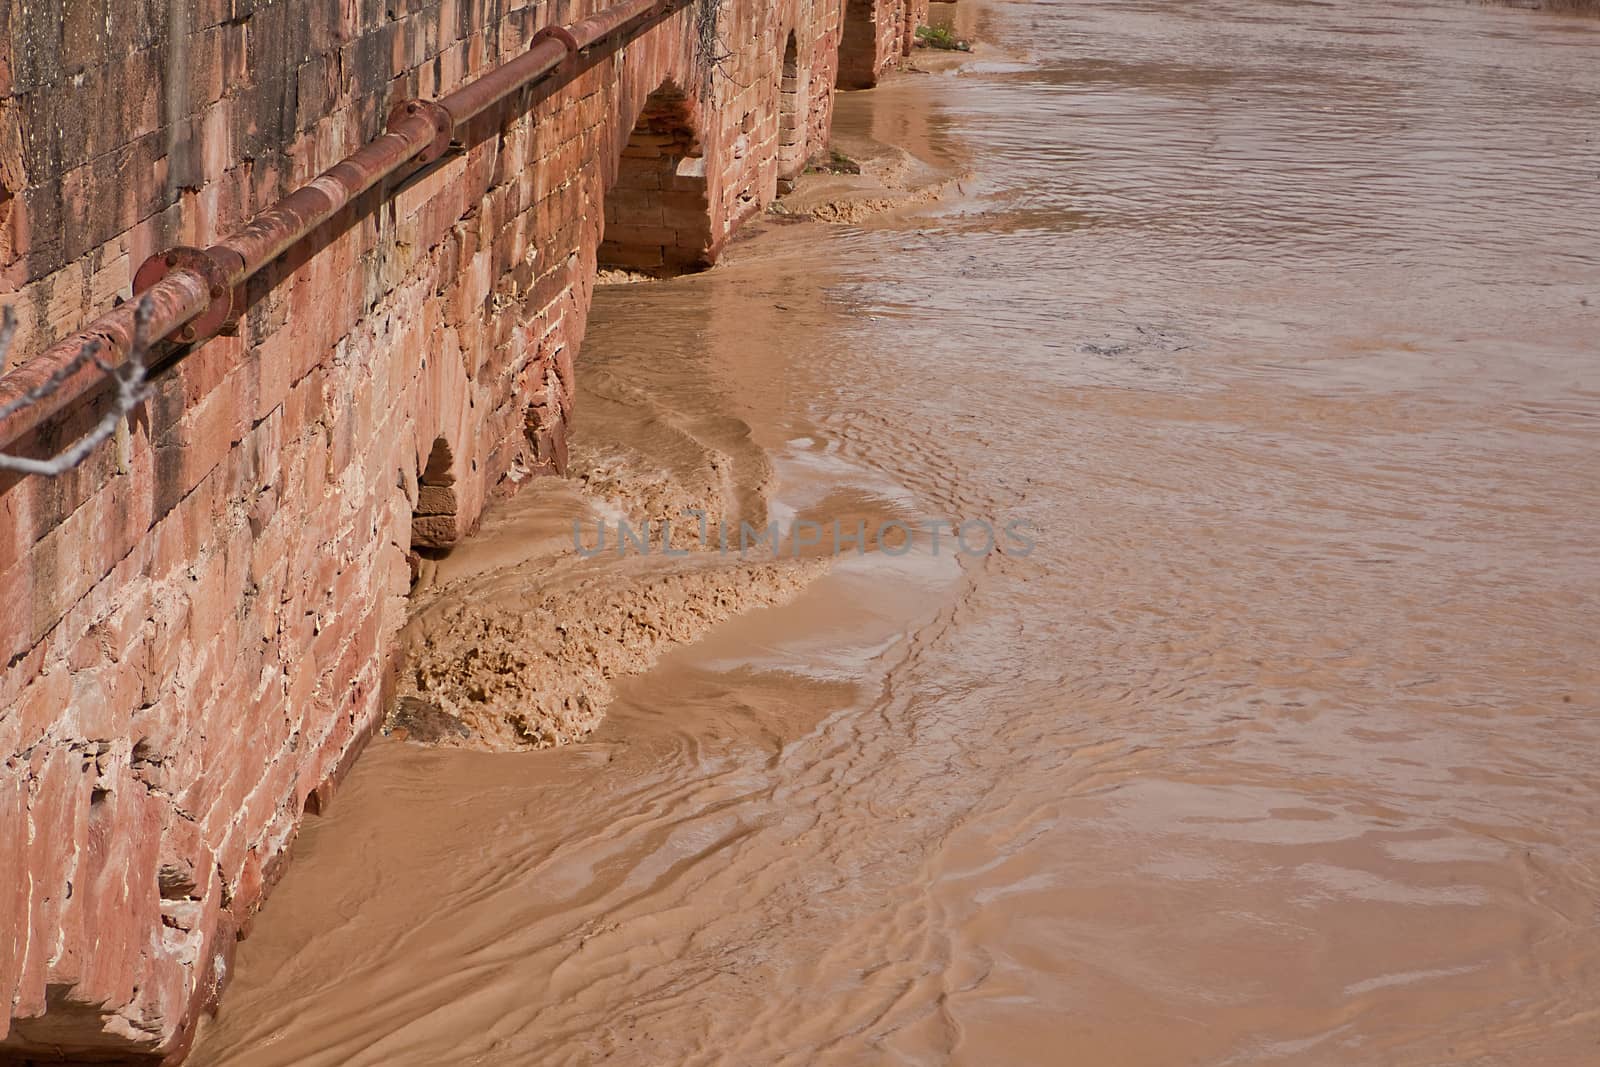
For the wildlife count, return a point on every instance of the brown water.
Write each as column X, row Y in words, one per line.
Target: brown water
column 1278, row 322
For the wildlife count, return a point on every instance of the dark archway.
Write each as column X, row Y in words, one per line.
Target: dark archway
column 792, row 112
column 658, row 214
column 858, row 46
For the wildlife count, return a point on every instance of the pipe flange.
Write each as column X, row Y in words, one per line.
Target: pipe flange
column 218, row 314
column 560, row 33
column 444, row 126
column 232, row 264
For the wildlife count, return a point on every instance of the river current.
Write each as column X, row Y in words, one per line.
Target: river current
column 1276, row 326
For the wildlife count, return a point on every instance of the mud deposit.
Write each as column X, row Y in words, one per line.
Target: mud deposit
column 1276, row 323
column 517, row 639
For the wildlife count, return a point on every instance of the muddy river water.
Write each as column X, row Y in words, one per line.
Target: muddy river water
column 1277, row 326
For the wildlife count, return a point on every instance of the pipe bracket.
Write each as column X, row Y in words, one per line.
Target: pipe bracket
column 220, row 314
column 444, row 125
column 560, row 33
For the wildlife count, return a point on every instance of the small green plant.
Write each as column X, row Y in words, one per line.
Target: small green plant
column 833, row 162
column 941, row 37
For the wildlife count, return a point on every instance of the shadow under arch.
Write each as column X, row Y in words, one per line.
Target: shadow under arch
column 858, row 45
column 658, row 211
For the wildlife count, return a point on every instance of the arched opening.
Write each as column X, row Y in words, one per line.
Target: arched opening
column 658, row 215
column 858, row 46
column 433, row 523
column 791, row 115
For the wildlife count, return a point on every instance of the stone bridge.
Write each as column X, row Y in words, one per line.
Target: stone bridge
column 195, row 622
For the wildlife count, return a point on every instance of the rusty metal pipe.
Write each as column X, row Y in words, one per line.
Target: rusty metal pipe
column 194, row 293
column 474, row 98
column 549, row 48
column 603, row 24
column 174, row 300
column 274, row 231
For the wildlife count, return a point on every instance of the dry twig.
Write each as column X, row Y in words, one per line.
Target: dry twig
column 131, row 379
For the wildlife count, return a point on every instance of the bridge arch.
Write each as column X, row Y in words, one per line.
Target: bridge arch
column 858, row 45
column 874, row 35
column 793, row 110
column 658, row 209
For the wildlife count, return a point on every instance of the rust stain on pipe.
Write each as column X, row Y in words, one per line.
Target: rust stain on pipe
column 175, row 299
column 190, row 302
column 546, row 52
column 476, row 97
column 604, row 23
column 286, row 223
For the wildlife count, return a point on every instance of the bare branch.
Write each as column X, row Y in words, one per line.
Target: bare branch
column 131, row 380
column 710, row 48
column 44, row 389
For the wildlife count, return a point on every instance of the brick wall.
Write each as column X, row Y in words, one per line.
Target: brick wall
column 194, row 624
